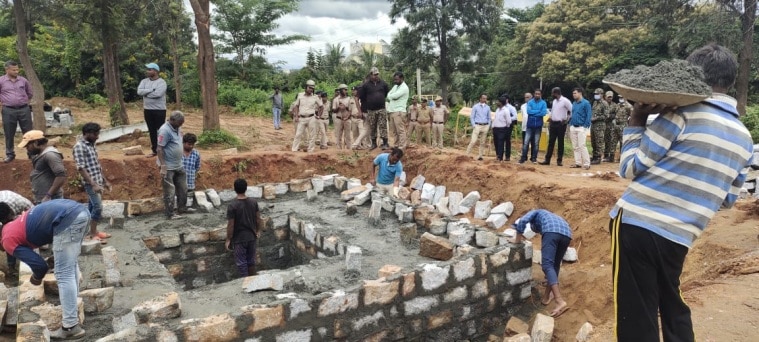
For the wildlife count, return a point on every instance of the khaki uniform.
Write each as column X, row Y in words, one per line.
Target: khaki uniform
column 620, row 122
column 439, row 116
column 412, row 120
column 342, row 119
column 306, row 107
column 322, row 126
column 598, row 127
column 424, row 125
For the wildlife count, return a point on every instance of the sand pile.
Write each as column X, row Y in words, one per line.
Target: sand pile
column 675, row 76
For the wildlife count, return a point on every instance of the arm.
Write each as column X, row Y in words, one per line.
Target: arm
column 642, row 147
column 56, row 165
column 197, row 162
column 34, row 260
column 259, row 224
column 80, row 162
column 29, row 90
column 160, row 153
column 374, row 173
column 230, row 233
column 142, row 89
column 159, row 90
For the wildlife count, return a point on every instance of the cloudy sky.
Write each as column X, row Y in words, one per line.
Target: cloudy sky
column 340, row 21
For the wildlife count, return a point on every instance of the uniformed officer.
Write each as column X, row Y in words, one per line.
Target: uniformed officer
column 623, row 114
column 424, row 123
column 609, row 143
column 439, row 117
column 598, row 125
column 343, row 109
column 305, row 109
column 411, row 119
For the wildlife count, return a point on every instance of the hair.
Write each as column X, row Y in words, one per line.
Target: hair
column 719, row 65
column 399, row 74
column 483, row 94
column 241, row 185
column 504, row 99
column 9, row 64
column 189, row 138
column 556, row 90
column 90, row 127
column 176, row 116
column 538, row 90
column 6, row 213
column 397, row 152
column 579, row 90
column 41, row 141
column 276, row 87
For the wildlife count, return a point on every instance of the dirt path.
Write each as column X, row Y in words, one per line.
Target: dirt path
column 719, row 280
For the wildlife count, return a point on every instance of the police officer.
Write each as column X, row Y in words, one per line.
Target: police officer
column 600, row 111
column 624, row 109
column 610, row 143
column 305, row 109
column 343, row 109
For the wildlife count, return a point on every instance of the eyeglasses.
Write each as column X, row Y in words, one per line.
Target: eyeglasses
column 376, row 74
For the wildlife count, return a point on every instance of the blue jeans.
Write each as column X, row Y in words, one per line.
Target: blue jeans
column 531, row 137
column 96, row 203
column 552, row 250
column 66, row 248
column 245, row 257
column 276, row 112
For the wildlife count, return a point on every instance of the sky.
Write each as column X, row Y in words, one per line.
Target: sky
column 340, row 21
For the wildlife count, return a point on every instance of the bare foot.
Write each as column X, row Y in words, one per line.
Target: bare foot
column 560, row 309
column 547, row 301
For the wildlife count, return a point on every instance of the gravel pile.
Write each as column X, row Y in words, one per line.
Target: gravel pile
column 677, row 76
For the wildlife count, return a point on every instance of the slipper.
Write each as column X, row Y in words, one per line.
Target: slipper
column 103, row 235
column 151, row 155
column 558, row 312
column 97, row 238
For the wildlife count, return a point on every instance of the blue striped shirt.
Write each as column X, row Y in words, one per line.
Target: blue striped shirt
column 683, row 167
column 191, row 165
column 543, row 221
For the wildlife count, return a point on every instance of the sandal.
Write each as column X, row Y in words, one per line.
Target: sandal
column 97, row 238
column 103, row 235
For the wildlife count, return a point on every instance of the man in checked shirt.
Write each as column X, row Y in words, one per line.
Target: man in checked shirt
column 88, row 165
column 556, row 235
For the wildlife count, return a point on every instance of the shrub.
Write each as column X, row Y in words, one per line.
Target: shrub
column 221, row 136
column 751, row 121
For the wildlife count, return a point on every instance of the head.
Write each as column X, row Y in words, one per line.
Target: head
column 324, row 96
column 538, row 94
column 11, row 69
column 188, row 141
column 503, row 100
column 34, row 141
column 395, row 155
column 6, row 213
column 622, row 99
column 527, row 97
column 276, row 90
column 152, row 70
column 354, row 91
column 609, row 96
column 598, row 94
column 719, row 65
column 310, row 85
column 176, row 119
column 577, row 93
column 424, row 104
column 241, row 186
column 556, row 93
column 398, row 78
column 483, row 98
column 374, row 74
column 414, row 101
column 91, row 132
column 342, row 89
column 438, row 101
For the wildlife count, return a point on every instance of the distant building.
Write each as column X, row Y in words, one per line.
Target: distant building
column 357, row 50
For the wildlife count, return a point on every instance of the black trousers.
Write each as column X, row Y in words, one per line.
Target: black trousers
column 502, row 141
column 646, row 279
column 155, row 118
column 556, row 131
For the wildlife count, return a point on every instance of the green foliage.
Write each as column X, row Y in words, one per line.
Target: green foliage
column 751, row 121
column 96, row 99
column 113, row 115
column 245, row 100
column 220, row 137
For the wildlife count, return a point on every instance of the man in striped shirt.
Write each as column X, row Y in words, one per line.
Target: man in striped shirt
column 88, row 165
column 684, row 166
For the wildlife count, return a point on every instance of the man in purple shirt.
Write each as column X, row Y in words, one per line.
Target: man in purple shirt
column 15, row 94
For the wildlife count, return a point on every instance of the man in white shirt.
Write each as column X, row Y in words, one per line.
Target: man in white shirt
column 560, row 113
column 523, row 110
column 480, row 120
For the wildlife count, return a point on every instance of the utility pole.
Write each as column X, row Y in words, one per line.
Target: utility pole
column 418, row 83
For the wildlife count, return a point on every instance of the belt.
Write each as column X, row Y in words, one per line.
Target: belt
column 306, row 116
column 576, row 126
column 17, row 107
column 412, row 120
column 482, row 124
column 439, row 123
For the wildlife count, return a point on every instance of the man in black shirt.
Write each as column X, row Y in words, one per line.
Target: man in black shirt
column 372, row 94
column 243, row 229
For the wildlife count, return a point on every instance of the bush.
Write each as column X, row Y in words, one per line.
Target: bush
column 221, row 136
column 751, row 121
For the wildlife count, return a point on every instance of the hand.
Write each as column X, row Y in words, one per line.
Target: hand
column 97, row 188
column 163, row 171
column 641, row 111
column 35, row 281
column 46, row 198
column 109, row 186
column 227, row 243
column 372, row 182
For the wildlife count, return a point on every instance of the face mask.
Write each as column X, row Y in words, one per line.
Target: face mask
column 621, row 100
column 597, row 97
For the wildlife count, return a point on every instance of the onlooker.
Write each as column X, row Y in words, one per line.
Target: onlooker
column 555, row 238
column 578, row 132
column 190, row 162
column 359, row 130
column 173, row 176
column 620, row 122
column 63, row 223
column 344, row 109
column 424, row 121
column 388, row 178
column 18, row 204
column 372, row 94
column 561, row 111
column 536, row 110
column 412, row 113
column 480, row 120
column 306, row 106
column 398, row 97
column 598, row 125
column 15, row 94
column 153, row 92
column 322, row 122
column 610, row 145
column 439, row 118
column 88, row 165
column 48, row 174
column 276, row 107
column 243, row 229
column 684, row 166
column 501, row 129
column 523, row 110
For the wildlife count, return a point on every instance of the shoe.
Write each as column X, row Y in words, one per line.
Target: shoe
column 595, row 161
column 522, row 161
column 508, row 159
column 575, row 166
column 188, row 210
column 323, row 147
column 8, row 159
column 559, row 164
column 480, row 158
column 545, row 162
column 103, row 235
column 586, row 167
column 74, row 333
column 534, row 161
column 374, row 146
column 607, row 160
column 102, row 241
column 174, row 217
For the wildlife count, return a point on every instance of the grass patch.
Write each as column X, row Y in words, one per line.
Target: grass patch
column 218, row 137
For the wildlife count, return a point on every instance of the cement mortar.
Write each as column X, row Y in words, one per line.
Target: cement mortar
column 677, row 76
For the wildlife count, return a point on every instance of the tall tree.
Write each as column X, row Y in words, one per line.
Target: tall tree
column 746, row 9
column 38, row 99
column 206, row 64
column 439, row 26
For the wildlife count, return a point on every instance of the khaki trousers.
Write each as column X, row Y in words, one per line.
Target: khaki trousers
column 412, row 129
column 479, row 132
column 321, row 126
column 305, row 124
column 342, row 133
column 398, row 124
column 360, row 133
column 437, row 135
column 423, row 132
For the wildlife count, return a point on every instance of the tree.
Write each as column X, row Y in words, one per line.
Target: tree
column 38, row 99
column 746, row 54
column 437, row 28
column 206, row 64
column 246, row 26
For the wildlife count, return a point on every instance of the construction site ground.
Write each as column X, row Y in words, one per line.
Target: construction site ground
column 720, row 281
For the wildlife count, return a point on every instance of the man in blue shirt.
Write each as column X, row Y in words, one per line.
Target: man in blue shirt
column 536, row 110
column 390, row 169
column 579, row 123
column 480, row 120
column 556, row 235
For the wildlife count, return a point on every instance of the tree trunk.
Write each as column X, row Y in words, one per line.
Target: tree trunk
column 38, row 100
column 746, row 55
column 117, row 112
column 206, row 64
column 445, row 72
column 177, row 76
